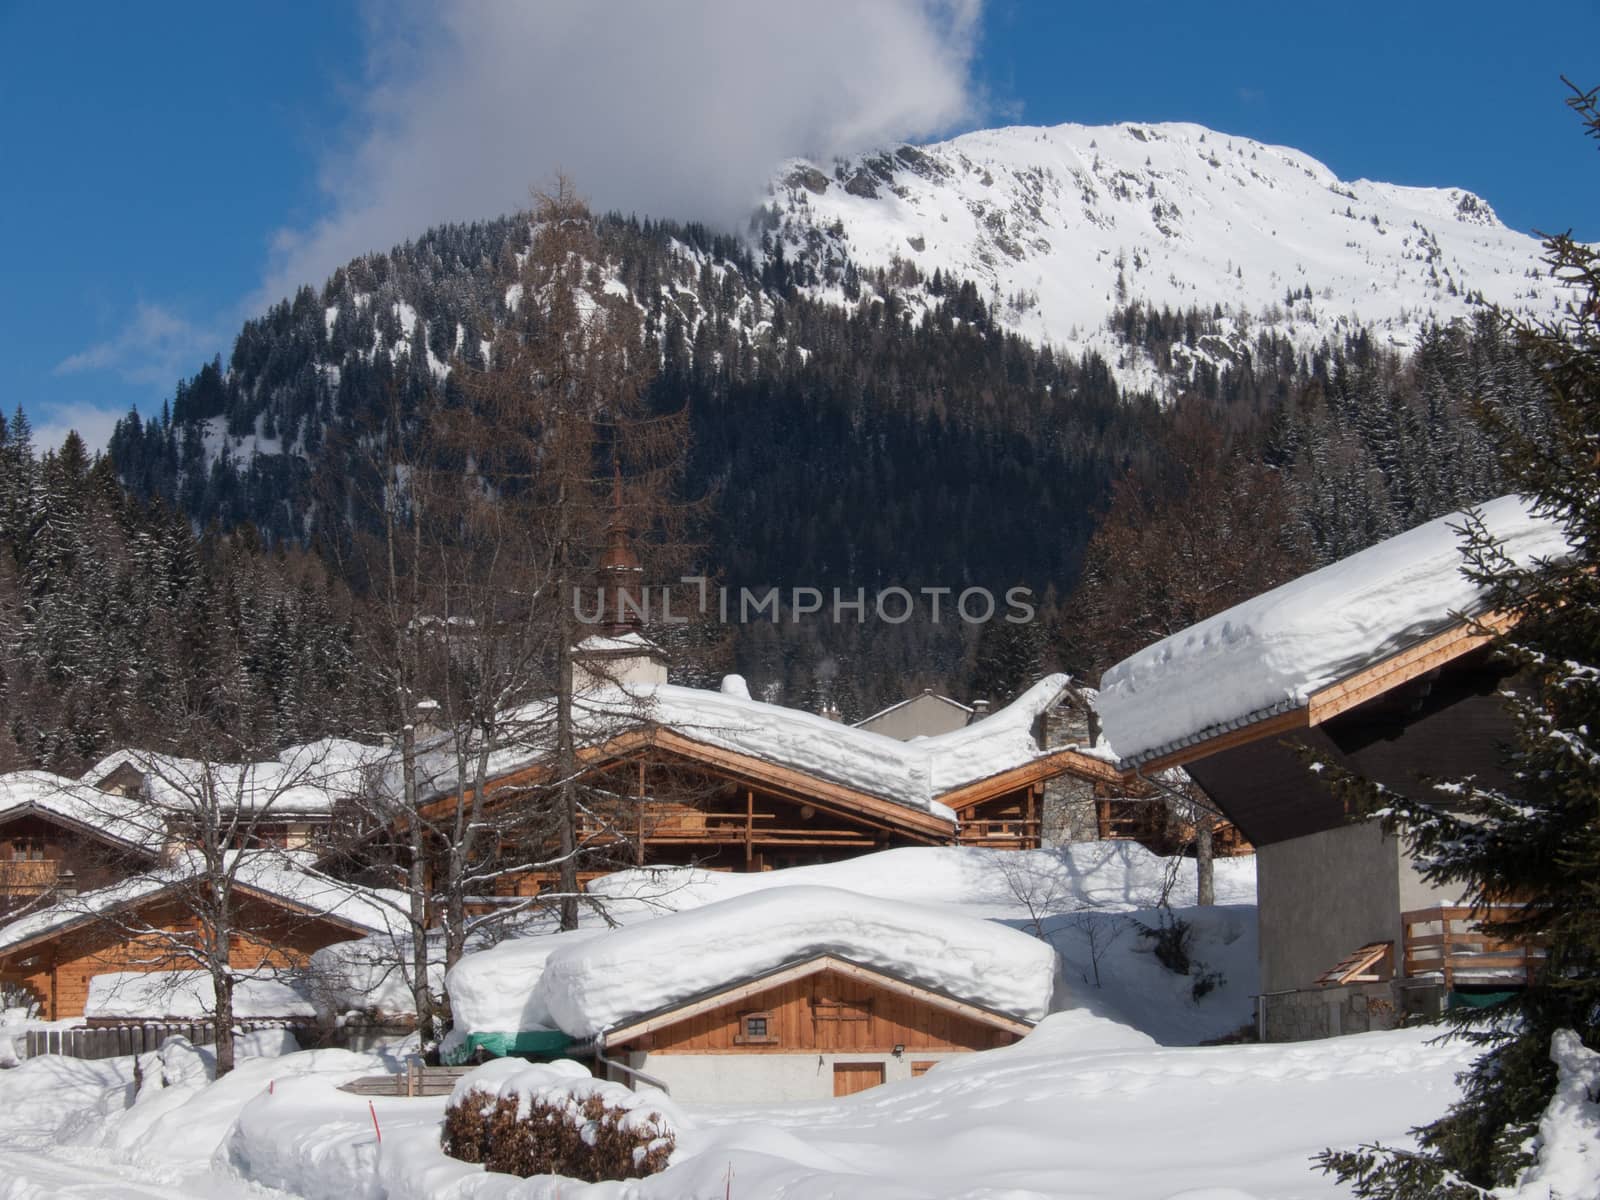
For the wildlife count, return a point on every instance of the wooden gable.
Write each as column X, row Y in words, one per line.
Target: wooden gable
column 824, row 1005
column 43, row 853
column 57, row 964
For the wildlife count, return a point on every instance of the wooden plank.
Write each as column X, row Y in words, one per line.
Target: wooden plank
column 1285, row 722
column 850, row 1078
column 865, row 978
column 1408, row 664
column 1064, row 761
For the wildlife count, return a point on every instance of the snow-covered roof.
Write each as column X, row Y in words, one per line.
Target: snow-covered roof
column 622, row 643
column 188, row 995
column 914, row 773
column 282, row 876
column 586, row 985
column 115, row 818
column 303, row 779
column 1273, row 652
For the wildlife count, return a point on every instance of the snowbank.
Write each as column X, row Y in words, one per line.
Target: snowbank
column 1271, row 653
column 1568, row 1142
column 989, row 883
column 497, row 990
column 601, row 982
column 1236, row 1121
column 371, row 975
column 188, row 995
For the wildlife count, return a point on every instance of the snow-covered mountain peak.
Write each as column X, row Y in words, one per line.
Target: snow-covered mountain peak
column 1058, row 226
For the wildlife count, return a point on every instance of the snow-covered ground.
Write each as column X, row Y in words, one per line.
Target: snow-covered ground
column 1083, row 1107
column 1091, row 1104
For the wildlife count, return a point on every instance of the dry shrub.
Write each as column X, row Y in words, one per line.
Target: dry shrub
column 584, row 1138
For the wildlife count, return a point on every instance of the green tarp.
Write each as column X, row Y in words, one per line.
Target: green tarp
column 1478, row 999
column 533, row 1043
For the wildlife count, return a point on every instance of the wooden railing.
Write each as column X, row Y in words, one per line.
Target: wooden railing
column 1445, row 942
column 1000, row 829
column 723, row 828
column 28, row 877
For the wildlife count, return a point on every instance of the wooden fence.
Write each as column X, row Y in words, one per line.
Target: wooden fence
column 115, row 1041
column 1446, row 942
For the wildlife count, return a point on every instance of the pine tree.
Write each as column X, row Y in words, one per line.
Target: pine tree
column 1534, row 855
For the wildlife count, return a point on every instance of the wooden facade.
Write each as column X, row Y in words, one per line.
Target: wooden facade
column 44, row 855
column 826, row 1005
column 677, row 801
column 56, row 965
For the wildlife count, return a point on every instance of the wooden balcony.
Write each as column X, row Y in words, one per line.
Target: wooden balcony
column 28, row 877
column 1007, row 831
column 723, row 829
column 1442, row 943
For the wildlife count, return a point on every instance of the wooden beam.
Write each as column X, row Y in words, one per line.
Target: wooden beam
column 1401, row 668
column 1285, row 722
column 1353, row 690
column 1065, row 761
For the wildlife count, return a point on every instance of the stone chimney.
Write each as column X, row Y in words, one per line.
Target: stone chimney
column 980, row 710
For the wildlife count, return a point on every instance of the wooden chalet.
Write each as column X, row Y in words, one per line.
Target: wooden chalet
column 58, row 837
column 141, row 925
column 684, row 791
column 1351, row 936
column 821, row 1026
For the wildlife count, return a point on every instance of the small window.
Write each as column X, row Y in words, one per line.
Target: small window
column 755, row 1029
column 921, row 1067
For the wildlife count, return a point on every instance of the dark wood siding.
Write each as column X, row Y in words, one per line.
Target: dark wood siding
column 1443, row 727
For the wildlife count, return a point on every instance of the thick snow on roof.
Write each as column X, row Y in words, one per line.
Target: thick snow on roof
column 276, row 874
column 115, row 817
column 497, row 990
column 599, row 983
column 1272, row 652
column 624, row 643
column 913, row 773
column 188, row 995
column 303, row 779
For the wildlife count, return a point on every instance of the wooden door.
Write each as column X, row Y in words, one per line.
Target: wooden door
column 849, row 1078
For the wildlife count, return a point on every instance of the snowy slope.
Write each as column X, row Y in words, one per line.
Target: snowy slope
column 1057, row 225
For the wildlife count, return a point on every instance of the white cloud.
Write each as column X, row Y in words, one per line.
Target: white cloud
column 93, row 424
column 677, row 109
column 154, row 348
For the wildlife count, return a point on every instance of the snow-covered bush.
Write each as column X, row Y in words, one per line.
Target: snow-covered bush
column 555, row 1120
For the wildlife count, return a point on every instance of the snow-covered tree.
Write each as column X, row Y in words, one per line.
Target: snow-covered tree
column 1529, row 860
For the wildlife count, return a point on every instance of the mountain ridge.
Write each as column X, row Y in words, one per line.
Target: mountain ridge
column 1060, row 225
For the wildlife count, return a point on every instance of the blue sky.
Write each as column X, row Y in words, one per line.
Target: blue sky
column 171, row 168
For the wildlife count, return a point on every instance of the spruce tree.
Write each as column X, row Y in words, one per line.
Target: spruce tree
column 1530, row 862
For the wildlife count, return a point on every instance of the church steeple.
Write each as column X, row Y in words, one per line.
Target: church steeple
column 621, row 575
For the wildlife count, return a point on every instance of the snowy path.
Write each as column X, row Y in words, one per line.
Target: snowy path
column 80, row 1171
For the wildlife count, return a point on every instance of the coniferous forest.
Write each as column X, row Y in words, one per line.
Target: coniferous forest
column 865, row 445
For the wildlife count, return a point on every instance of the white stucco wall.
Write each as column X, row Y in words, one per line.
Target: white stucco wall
column 764, row 1078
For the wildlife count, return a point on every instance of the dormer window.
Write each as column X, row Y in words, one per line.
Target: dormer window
column 756, row 1029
